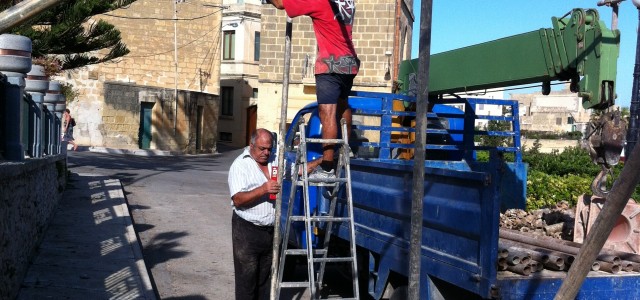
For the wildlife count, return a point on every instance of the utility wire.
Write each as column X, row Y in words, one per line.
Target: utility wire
column 180, row 47
column 162, row 19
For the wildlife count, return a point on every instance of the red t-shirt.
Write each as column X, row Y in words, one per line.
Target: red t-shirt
column 333, row 24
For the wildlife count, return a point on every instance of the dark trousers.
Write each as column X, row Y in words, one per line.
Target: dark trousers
column 252, row 254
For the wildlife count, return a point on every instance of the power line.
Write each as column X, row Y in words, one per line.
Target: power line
column 180, row 47
column 162, row 19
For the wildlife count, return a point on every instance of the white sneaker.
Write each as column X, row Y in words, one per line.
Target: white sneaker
column 320, row 174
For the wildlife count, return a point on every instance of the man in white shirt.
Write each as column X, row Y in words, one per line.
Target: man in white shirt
column 250, row 185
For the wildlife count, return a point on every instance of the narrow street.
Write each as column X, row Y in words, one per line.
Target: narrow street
column 182, row 217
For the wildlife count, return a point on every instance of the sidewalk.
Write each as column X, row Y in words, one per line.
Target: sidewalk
column 90, row 250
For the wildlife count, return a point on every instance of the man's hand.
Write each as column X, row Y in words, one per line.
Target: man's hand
column 271, row 187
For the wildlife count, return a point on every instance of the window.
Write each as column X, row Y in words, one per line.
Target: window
column 255, row 93
column 481, row 106
column 256, row 47
column 558, row 121
column 229, row 45
column 570, row 120
column 225, row 136
column 227, row 101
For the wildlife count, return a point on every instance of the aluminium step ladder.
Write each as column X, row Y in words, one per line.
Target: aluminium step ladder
column 317, row 258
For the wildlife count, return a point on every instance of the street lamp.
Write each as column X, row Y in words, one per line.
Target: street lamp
column 634, row 110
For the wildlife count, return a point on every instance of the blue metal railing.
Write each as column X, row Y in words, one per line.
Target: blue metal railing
column 451, row 131
column 29, row 129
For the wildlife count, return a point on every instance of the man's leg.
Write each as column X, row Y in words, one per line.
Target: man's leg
column 345, row 112
column 327, row 114
column 264, row 272
column 245, row 260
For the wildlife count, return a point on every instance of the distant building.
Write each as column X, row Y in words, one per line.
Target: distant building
column 560, row 111
column 483, row 109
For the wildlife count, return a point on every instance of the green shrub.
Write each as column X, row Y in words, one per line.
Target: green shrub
column 557, row 176
column 545, row 190
column 573, row 160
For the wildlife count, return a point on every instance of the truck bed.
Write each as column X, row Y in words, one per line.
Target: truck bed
column 462, row 201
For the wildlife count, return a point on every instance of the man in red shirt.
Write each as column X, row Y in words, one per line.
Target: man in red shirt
column 336, row 65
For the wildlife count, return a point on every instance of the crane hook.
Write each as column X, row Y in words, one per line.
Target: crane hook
column 605, row 140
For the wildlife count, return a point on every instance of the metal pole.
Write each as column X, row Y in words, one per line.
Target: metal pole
column 281, row 170
column 616, row 201
column 22, row 12
column 634, row 110
column 419, row 158
column 614, row 4
column 175, row 65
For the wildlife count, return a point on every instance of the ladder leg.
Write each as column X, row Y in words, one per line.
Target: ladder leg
column 285, row 240
column 307, row 214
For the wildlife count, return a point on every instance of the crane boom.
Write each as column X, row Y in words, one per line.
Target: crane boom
column 579, row 48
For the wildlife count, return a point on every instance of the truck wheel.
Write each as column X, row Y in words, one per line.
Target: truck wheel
column 400, row 293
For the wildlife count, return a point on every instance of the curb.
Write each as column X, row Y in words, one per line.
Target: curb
column 132, row 238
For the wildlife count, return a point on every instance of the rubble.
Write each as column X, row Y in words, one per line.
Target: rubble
column 557, row 222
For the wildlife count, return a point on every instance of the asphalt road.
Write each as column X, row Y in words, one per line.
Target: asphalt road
column 181, row 210
column 182, row 214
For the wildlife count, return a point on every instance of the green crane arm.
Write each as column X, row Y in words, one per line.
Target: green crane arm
column 579, row 48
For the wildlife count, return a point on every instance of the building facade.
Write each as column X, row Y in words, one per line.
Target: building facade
column 164, row 94
column 240, row 59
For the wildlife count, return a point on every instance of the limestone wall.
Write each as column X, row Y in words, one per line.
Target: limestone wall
column 29, row 193
column 151, row 33
column 121, row 123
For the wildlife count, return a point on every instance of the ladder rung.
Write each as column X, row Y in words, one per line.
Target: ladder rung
column 325, row 141
column 326, row 180
column 334, row 259
column 325, row 184
column 303, row 284
column 304, row 251
column 320, row 219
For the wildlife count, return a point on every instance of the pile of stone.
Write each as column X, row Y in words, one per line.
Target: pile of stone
column 557, row 222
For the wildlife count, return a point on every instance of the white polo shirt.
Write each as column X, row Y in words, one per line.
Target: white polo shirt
column 245, row 175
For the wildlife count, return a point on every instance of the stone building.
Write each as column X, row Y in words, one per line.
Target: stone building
column 560, row 111
column 382, row 38
column 165, row 93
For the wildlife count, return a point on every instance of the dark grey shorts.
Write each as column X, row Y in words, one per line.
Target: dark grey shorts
column 331, row 86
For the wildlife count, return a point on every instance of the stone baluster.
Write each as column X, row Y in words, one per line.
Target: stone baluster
column 53, row 130
column 37, row 84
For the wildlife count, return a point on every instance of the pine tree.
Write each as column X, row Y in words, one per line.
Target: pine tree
column 67, row 33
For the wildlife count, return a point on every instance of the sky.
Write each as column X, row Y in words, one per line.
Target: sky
column 459, row 23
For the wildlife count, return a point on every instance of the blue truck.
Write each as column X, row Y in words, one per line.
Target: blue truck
column 463, row 195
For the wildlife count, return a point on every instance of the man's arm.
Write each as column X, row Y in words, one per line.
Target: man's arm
column 241, row 199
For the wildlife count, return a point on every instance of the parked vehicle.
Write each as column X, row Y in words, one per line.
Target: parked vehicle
column 462, row 196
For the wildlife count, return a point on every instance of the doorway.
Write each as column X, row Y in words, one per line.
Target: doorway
column 144, row 138
column 252, row 121
column 199, row 114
